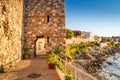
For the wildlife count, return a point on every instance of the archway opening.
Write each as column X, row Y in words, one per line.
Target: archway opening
column 40, row 46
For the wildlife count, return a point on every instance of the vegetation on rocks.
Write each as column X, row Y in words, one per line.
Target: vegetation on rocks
column 104, row 40
column 74, row 49
column 89, row 56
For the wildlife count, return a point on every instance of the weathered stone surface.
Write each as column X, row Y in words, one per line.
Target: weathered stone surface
column 23, row 25
column 10, row 32
column 44, row 18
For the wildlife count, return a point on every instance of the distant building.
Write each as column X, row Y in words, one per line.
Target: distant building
column 78, row 33
column 89, row 35
column 115, row 38
column 80, row 36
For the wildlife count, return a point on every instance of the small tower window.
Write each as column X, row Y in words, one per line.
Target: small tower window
column 48, row 19
column 47, row 39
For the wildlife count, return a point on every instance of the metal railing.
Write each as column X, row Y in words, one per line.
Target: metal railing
column 78, row 74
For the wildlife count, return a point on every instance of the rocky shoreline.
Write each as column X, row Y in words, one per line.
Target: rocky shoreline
column 91, row 63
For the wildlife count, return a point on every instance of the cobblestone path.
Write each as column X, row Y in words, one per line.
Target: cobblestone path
column 33, row 69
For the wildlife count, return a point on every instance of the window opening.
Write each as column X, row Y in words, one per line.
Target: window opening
column 48, row 19
column 47, row 39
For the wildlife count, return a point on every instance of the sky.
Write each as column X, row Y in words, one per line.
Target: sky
column 101, row 17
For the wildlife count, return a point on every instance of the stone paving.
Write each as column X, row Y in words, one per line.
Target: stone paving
column 36, row 66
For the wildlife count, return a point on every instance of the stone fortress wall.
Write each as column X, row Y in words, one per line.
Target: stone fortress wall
column 23, row 22
column 10, row 31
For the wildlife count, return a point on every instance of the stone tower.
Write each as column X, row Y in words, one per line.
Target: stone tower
column 44, row 19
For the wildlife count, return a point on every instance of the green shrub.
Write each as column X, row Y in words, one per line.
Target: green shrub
column 69, row 77
column 56, row 50
column 72, row 50
column 104, row 40
column 69, row 34
column 51, row 59
column 60, row 65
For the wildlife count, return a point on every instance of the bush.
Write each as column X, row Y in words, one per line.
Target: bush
column 69, row 34
column 56, row 50
column 51, row 59
column 60, row 65
column 54, row 60
column 104, row 40
column 72, row 50
column 69, row 77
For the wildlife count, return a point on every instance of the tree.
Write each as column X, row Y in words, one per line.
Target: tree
column 104, row 40
column 69, row 34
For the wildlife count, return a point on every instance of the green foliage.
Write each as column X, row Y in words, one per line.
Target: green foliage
column 88, row 44
column 26, row 54
column 109, row 45
column 69, row 77
column 74, row 49
column 117, row 45
column 56, row 50
column 82, row 45
column 60, row 65
column 25, row 49
column 51, row 59
column 103, row 78
column 112, row 43
column 93, row 44
column 104, row 40
column 69, row 34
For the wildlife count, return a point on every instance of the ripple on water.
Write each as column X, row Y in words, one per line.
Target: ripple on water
column 111, row 68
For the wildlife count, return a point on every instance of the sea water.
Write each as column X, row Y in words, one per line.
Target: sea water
column 111, row 68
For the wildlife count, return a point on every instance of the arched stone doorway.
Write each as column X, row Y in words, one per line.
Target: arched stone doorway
column 40, row 46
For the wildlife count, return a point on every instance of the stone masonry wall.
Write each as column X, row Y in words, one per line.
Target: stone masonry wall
column 10, row 32
column 40, row 18
column 44, row 18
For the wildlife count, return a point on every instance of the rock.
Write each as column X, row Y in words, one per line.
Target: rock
column 110, row 63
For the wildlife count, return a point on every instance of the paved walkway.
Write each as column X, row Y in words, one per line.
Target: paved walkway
column 36, row 67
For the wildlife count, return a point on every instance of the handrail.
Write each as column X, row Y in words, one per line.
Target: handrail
column 77, row 73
